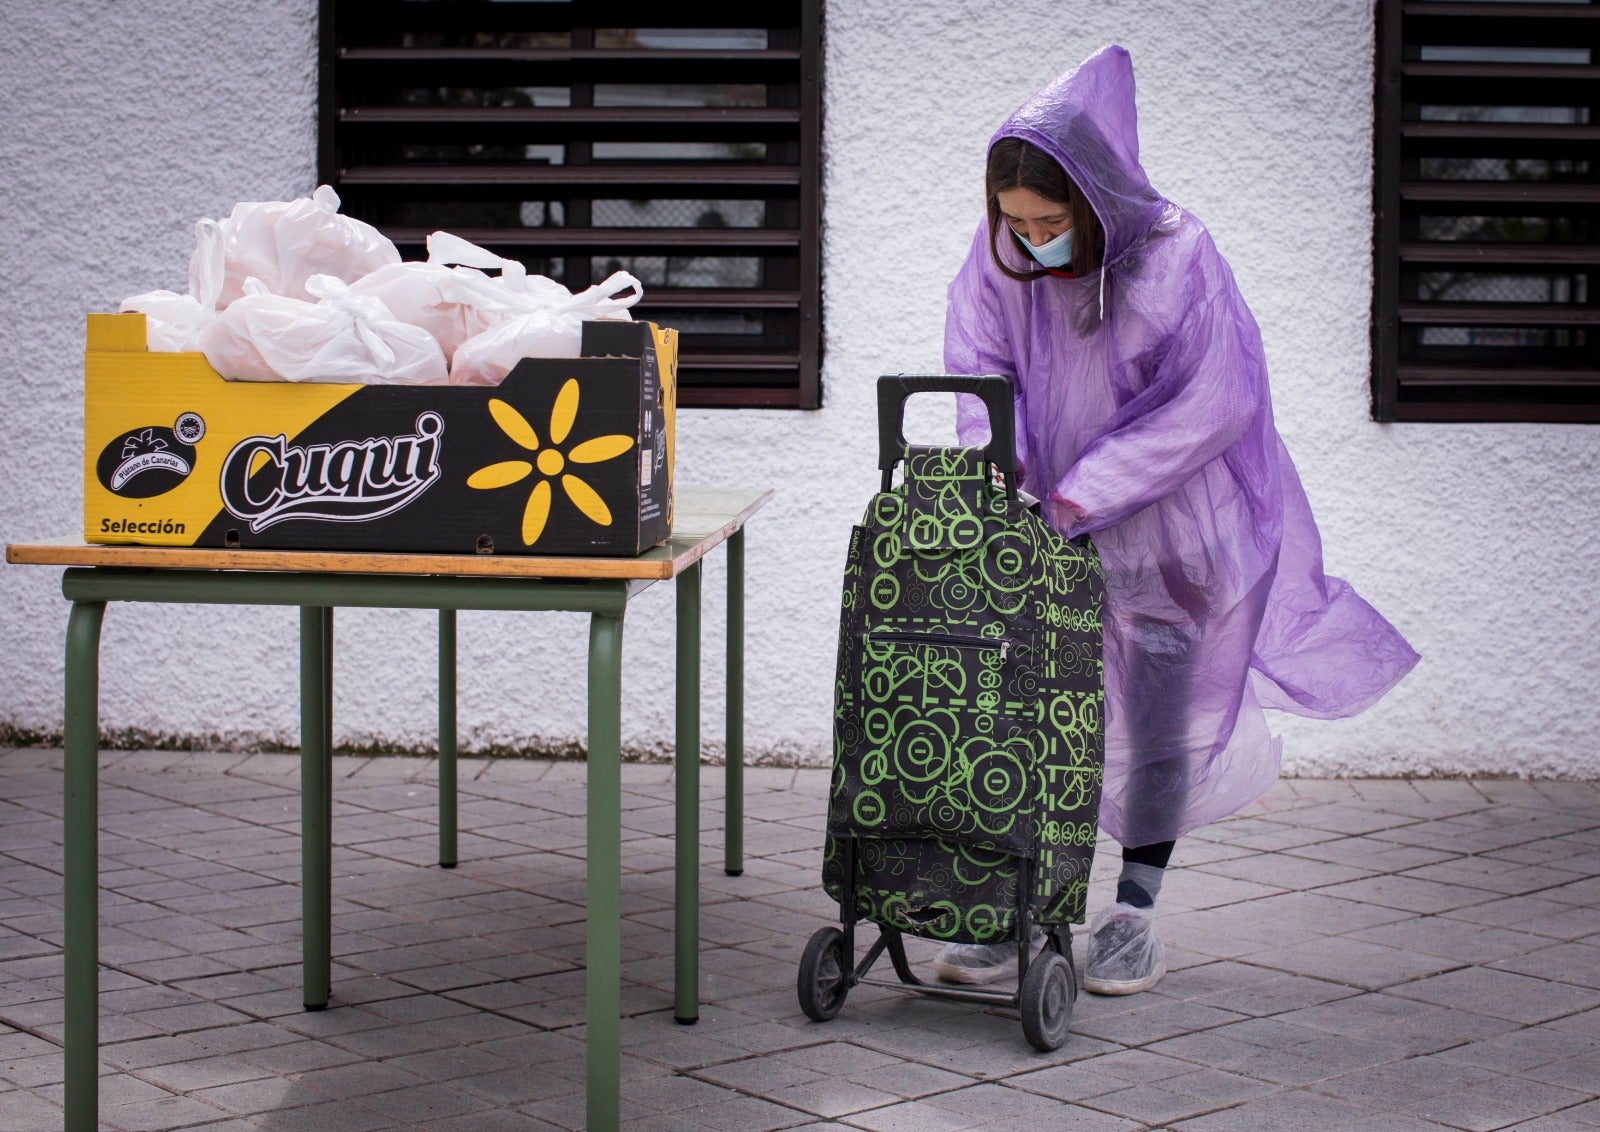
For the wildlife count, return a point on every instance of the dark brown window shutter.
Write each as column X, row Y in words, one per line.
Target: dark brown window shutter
column 1488, row 212
column 581, row 137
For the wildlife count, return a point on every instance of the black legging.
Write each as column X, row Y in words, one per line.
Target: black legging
column 1156, row 855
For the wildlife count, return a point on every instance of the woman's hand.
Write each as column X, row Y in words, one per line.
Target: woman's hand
column 1063, row 514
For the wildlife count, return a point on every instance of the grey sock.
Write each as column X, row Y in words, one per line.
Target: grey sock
column 1139, row 885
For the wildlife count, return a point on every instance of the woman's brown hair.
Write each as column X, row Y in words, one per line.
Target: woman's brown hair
column 1014, row 164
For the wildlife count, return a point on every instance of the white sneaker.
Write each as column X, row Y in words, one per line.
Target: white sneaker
column 1126, row 955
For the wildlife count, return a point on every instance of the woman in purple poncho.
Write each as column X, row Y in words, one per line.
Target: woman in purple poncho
column 1143, row 418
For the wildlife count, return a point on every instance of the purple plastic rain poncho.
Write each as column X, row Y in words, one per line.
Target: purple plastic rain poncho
column 1143, row 416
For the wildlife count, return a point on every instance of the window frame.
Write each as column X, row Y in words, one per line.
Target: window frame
column 1464, row 387
column 780, row 367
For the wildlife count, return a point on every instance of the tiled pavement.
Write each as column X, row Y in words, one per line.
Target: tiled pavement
column 1346, row 955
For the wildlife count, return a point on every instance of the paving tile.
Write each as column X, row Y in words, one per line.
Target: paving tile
column 1356, row 954
column 831, row 1097
column 1002, row 1105
column 1522, row 1050
column 909, row 1080
column 202, row 1073
column 325, row 1116
column 1154, row 1021
column 496, row 1121
column 1408, row 893
column 512, row 1085
column 1454, row 940
column 1100, row 1075
column 1151, row 1104
column 1353, row 962
column 1577, row 964
column 1217, row 1087
column 1584, row 1113
column 1509, row 878
column 1409, row 1024
column 151, row 1116
column 743, row 1114
column 1417, row 1077
column 1069, row 1081
column 22, row 1109
column 1318, row 1060
column 1563, row 1121
column 1217, row 1047
column 1580, row 1072
column 916, row 1116
column 1252, row 990
column 759, row 1074
column 1503, row 994
column 1289, row 1109
column 1526, row 913
column 1494, row 1104
column 1196, row 888
column 424, row 1104
column 1282, row 871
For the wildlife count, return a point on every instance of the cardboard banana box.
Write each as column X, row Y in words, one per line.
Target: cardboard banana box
column 568, row 456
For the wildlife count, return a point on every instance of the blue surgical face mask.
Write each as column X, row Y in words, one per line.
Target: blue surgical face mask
column 1052, row 253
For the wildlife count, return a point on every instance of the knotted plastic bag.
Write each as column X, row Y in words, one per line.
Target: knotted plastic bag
column 343, row 337
column 546, row 326
column 283, row 244
column 447, row 248
column 453, row 303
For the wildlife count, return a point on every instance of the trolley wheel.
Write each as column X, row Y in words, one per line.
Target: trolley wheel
column 1046, row 999
column 824, row 975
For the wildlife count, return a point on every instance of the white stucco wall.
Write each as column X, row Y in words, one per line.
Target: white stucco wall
column 124, row 122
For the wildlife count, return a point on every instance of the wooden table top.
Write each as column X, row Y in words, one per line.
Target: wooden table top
column 703, row 517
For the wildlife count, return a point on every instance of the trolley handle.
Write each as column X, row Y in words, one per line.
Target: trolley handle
column 994, row 389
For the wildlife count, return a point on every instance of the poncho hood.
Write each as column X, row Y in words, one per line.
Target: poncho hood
column 1087, row 121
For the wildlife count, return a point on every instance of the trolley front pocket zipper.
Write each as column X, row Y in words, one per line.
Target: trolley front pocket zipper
column 940, row 640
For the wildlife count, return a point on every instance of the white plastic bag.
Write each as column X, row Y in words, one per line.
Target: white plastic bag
column 340, row 338
column 172, row 321
column 451, row 303
column 437, row 299
column 448, row 248
column 544, row 328
column 283, row 244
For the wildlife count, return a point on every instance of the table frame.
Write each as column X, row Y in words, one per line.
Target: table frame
column 318, row 583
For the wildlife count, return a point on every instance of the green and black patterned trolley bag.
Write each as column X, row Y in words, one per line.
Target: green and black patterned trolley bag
column 968, row 745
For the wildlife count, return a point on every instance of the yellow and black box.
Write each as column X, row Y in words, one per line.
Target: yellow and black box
column 567, row 456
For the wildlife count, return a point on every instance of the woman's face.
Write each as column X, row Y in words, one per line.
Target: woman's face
column 1033, row 217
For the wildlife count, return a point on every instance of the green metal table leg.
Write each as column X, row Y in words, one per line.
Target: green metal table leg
column 447, row 738
column 686, row 870
column 603, row 981
column 733, row 825
column 316, row 829
column 327, row 796
column 81, row 865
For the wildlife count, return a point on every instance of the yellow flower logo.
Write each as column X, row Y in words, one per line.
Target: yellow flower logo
column 550, row 462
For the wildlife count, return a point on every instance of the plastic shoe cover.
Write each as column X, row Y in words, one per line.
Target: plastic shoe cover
column 982, row 962
column 1125, row 953
column 976, row 962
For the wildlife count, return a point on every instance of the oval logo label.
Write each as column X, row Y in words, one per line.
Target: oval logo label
column 145, row 462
